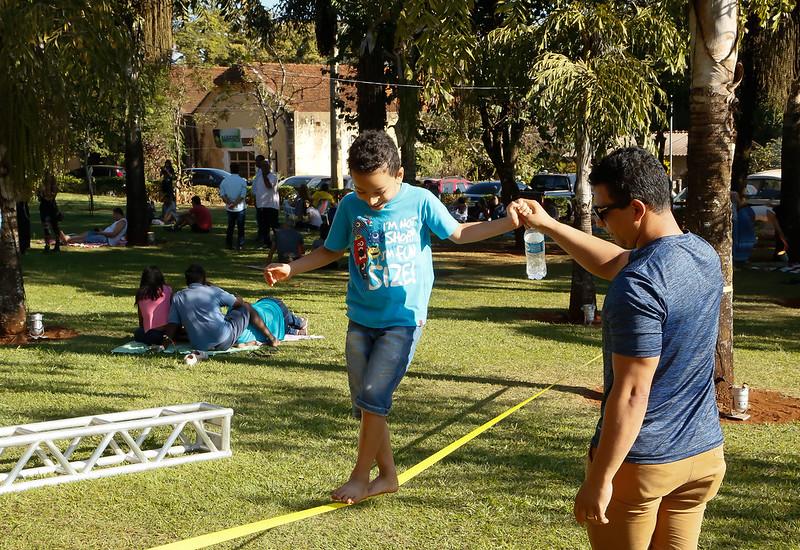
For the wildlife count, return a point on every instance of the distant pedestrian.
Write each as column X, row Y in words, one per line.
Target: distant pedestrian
column 233, row 191
column 265, row 191
column 48, row 212
column 168, row 181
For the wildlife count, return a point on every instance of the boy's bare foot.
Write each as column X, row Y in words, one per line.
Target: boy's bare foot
column 382, row 484
column 351, row 492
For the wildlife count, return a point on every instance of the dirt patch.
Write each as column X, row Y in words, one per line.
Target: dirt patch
column 50, row 333
column 770, row 407
column 766, row 407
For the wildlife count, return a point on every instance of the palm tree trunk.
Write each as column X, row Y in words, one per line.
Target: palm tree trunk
column 12, row 289
column 713, row 27
column 582, row 289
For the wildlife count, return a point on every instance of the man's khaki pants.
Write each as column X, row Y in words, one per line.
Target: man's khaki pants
column 659, row 506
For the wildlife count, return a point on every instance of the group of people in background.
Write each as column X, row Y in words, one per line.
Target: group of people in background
column 195, row 314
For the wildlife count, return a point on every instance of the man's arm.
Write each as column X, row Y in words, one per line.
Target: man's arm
column 599, row 257
column 622, row 420
column 478, row 231
column 320, row 257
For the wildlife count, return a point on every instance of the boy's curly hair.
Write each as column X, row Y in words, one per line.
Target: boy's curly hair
column 373, row 150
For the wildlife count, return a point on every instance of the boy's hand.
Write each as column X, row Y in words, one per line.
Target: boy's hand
column 534, row 215
column 516, row 212
column 274, row 273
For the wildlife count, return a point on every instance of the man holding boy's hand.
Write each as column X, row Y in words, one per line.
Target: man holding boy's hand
column 387, row 225
column 656, row 457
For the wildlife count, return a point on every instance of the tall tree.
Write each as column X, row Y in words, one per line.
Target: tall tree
column 149, row 24
column 598, row 78
column 478, row 67
column 45, row 48
column 714, row 37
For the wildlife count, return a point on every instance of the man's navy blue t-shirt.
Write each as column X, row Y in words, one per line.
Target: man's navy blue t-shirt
column 665, row 303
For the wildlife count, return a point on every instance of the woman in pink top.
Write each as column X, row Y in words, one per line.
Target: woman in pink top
column 152, row 302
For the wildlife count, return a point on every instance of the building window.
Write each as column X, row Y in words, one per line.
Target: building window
column 246, row 161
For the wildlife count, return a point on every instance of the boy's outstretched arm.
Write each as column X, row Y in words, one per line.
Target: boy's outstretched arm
column 274, row 273
column 478, row 231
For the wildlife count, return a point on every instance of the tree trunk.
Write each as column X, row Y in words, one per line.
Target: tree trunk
column 407, row 121
column 371, row 98
column 790, row 152
column 747, row 106
column 136, row 211
column 713, row 27
column 790, row 175
column 12, row 289
column 582, row 289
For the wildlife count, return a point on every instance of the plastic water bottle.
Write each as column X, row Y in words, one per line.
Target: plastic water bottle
column 534, row 254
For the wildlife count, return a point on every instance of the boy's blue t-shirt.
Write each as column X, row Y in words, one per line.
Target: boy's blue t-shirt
column 665, row 303
column 391, row 265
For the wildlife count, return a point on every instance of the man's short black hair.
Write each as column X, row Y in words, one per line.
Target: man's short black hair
column 633, row 173
column 195, row 200
column 260, row 158
column 373, row 150
column 234, row 168
column 119, row 211
column 195, row 274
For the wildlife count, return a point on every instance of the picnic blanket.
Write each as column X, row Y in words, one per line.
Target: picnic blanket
column 136, row 348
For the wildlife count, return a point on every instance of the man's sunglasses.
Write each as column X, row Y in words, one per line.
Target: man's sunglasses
column 601, row 211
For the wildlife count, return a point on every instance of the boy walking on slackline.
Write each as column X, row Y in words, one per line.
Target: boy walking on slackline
column 386, row 224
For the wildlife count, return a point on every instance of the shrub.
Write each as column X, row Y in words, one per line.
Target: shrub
column 71, row 184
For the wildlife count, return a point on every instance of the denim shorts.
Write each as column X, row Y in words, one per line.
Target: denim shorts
column 377, row 359
column 93, row 237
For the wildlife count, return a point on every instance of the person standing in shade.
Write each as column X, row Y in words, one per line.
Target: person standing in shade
column 167, row 183
column 48, row 212
column 265, row 191
column 233, row 191
column 656, row 457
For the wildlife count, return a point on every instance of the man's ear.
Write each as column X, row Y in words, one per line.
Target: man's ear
column 400, row 174
column 639, row 208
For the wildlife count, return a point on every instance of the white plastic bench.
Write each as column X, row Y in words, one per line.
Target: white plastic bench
column 111, row 444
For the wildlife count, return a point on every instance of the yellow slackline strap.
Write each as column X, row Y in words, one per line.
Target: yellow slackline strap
column 210, row 539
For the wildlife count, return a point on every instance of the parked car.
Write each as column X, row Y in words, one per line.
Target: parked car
column 554, row 185
column 480, row 189
column 297, row 181
column 100, row 171
column 210, row 177
column 764, row 188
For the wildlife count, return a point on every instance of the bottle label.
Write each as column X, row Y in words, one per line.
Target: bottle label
column 535, row 248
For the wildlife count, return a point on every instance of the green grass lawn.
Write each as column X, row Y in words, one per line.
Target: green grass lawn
column 293, row 441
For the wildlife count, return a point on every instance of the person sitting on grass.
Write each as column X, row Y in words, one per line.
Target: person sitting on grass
column 459, row 210
column 112, row 235
column 198, row 218
column 278, row 318
column 169, row 210
column 387, row 225
column 197, row 309
column 288, row 243
column 152, row 302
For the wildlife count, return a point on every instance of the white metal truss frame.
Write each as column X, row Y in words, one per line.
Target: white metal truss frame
column 55, row 442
